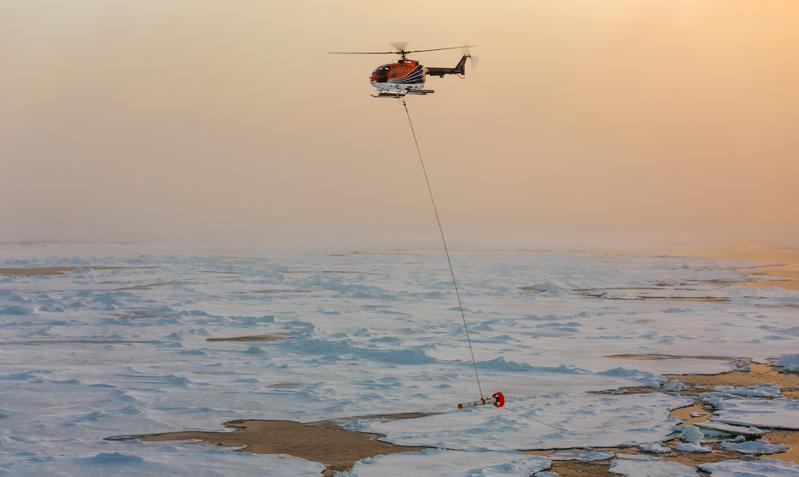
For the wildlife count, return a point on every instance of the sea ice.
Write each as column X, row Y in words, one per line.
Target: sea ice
column 753, row 468
column 788, row 362
column 655, row 448
column 692, row 447
column 729, row 428
column 691, row 434
column 165, row 462
column 758, row 390
column 445, row 463
column 560, row 422
column 779, row 413
column 756, row 447
column 674, row 386
column 581, row 455
column 648, row 466
column 98, row 352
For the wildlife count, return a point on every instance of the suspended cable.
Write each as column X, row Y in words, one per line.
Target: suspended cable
column 446, row 249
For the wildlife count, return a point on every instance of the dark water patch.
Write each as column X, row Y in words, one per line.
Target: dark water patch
column 139, row 314
column 59, row 270
column 254, row 338
column 281, row 290
column 624, row 390
column 284, row 385
column 146, row 286
column 348, row 272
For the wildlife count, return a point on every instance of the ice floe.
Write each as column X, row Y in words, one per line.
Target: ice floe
column 757, row 468
column 788, row 362
column 655, row 448
column 690, row 434
column 755, row 447
column 563, row 421
column 711, row 425
column 648, row 466
column 581, row 455
column 692, row 447
column 779, row 413
column 445, row 463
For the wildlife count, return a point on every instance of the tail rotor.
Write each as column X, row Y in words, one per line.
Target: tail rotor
column 474, row 60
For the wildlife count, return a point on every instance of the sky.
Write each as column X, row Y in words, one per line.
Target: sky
column 584, row 122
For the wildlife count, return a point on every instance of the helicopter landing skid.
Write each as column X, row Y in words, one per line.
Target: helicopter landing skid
column 421, row 92
column 401, row 94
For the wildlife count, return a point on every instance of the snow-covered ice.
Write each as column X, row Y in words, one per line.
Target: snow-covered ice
column 94, row 352
column 762, row 468
column 655, row 448
column 581, row 455
column 691, row 434
column 729, row 428
column 445, row 463
column 780, row 413
column 648, row 466
column 755, row 447
column 788, row 362
column 546, row 422
column 692, row 447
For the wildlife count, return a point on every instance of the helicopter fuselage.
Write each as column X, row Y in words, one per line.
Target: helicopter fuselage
column 400, row 77
column 408, row 76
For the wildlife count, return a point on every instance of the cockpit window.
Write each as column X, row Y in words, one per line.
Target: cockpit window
column 381, row 74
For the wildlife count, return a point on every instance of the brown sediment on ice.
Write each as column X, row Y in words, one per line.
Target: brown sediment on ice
column 254, row 338
column 386, row 417
column 573, row 468
column 591, row 290
column 282, row 290
column 50, row 271
column 349, row 272
column 602, row 293
column 81, row 342
column 788, row 438
column 707, row 299
column 145, row 286
column 138, row 314
column 626, row 390
column 338, row 449
column 542, row 334
column 755, row 374
column 684, row 413
column 773, row 266
column 750, row 375
column 324, row 442
column 655, row 356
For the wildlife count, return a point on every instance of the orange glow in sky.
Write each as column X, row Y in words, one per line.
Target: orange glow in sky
column 652, row 118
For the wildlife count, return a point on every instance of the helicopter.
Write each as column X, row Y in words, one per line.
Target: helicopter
column 407, row 76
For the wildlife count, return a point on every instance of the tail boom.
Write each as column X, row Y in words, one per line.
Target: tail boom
column 459, row 69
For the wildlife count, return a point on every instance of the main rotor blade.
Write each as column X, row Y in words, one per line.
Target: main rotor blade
column 439, row 49
column 363, row 52
column 400, row 45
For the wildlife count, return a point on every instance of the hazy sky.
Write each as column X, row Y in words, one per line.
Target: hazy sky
column 674, row 118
